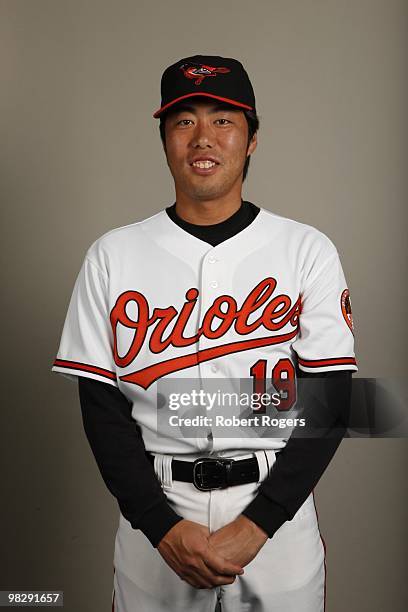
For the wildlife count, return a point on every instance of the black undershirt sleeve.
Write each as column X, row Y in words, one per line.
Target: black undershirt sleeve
column 119, row 450
column 300, row 465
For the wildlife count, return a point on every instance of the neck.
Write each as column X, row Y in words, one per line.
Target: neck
column 207, row 212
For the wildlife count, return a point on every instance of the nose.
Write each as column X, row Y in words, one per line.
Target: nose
column 203, row 135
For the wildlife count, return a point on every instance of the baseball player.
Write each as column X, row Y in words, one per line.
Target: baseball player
column 213, row 289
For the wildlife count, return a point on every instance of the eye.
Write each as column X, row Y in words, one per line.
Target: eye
column 183, row 121
column 225, row 121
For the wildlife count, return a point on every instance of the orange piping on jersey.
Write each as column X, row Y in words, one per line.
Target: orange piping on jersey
column 77, row 365
column 321, row 363
column 325, row 552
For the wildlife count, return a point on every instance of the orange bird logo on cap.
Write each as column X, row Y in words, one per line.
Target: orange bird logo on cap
column 200, row 71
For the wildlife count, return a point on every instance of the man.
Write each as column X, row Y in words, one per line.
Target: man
column 213, row 288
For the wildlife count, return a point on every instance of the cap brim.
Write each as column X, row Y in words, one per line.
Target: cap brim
column 207, row 95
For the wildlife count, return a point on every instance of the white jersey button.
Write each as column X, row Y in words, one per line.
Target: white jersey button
column 214, row 284
column 211, row 259
column 214, row 368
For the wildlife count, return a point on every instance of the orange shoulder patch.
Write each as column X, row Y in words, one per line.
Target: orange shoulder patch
column 346, row 309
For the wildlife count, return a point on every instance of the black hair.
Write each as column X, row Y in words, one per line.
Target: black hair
column 253, row 126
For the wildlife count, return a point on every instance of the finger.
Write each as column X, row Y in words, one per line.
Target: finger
column 222, row 580
column 221, row 566
column 197, row 581
column 206, row 574
column 198, row 578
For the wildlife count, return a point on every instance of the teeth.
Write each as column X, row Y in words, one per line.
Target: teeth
column 204, row 164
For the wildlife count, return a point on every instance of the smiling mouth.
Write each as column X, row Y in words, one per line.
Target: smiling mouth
column 204, row 167
column 204, row 164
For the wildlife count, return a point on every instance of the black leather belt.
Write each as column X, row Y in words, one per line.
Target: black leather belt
column 207, row 473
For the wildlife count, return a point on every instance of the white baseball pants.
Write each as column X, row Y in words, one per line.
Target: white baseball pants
column 287, row 575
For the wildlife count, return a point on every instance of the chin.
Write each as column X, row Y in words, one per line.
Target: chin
column 208, row 190
column 206, row 194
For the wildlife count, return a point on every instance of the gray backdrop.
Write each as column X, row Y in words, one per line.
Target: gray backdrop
column 80, row 154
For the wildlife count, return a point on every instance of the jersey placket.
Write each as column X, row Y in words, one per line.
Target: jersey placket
column 215, row 281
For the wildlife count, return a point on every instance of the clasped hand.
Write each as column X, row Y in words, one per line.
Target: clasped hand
column 207, row 560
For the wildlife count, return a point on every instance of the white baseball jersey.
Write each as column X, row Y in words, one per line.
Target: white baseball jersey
column 153, row 301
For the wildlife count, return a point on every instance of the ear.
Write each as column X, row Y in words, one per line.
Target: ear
column 252, row 144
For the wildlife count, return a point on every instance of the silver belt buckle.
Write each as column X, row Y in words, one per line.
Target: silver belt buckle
column 214, row 476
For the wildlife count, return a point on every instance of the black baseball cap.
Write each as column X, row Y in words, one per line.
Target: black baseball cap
column 222, row 78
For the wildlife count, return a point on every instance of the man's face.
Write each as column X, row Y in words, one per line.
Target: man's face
column 206, row 130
